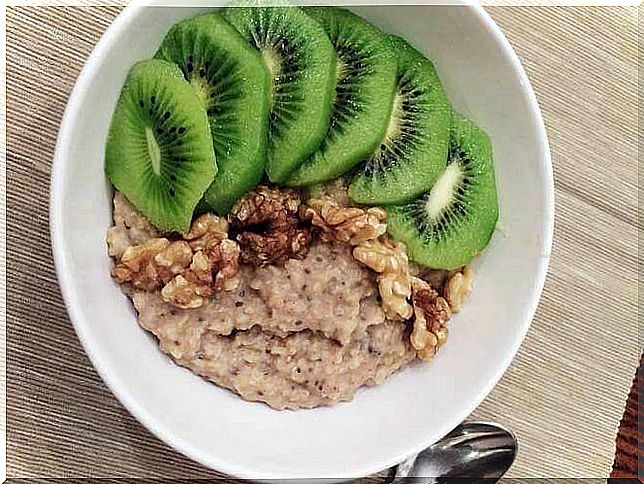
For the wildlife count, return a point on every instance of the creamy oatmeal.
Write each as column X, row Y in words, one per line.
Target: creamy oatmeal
column 293, row 304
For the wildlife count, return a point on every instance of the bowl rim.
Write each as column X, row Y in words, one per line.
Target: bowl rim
column 68, row 291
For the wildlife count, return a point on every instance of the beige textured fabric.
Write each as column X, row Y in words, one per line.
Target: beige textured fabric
column 563, row 395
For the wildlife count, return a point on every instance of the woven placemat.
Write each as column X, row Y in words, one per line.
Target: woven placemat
column 564, row 394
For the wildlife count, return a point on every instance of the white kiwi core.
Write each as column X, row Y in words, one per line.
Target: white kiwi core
column 442, row 193
column 153, row 150
column 395, row 120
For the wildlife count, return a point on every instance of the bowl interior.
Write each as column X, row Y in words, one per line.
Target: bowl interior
column 383, row 424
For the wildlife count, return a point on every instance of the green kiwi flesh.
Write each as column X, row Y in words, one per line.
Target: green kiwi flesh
column 413, row 152
column 232, row 81
column 301, row 61
column 159, row 151
column 364, row 91
column 451, row 223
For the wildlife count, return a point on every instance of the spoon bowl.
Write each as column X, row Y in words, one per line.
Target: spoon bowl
column 480, row 450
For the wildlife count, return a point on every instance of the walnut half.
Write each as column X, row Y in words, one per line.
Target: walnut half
column 458, row 288
column 269, row 231
column 432, row 312
column 137, row 265
column 390, row 261
column 352, row 225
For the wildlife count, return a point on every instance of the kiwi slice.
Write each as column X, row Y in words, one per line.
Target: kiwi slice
column 451, row 223
column 159, row 151
column 302, row 62
column 233, row 83
column 364, row 91
column 413, row 152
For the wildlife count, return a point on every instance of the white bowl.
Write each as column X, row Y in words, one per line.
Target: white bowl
column 485, row 81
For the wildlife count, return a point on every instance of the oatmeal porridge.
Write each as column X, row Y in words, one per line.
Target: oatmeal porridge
column 300, row 329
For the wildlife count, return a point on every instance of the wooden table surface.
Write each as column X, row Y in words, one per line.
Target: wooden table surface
column 563, row 395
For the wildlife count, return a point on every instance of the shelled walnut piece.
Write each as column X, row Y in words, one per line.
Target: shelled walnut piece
column 389, row 260
column 269, row 230
column 206, row 231
column 432, row 312
column 186, row 270
column 458, row 288
column 137, row 265
column 352, row 225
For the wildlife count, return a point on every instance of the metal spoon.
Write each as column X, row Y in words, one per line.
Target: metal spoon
column 478, row 450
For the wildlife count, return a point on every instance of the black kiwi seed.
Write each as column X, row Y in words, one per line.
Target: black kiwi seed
column 153, row 100
column 166, row 115
column 181, row 130
column 172, row 129
column 141, row 103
